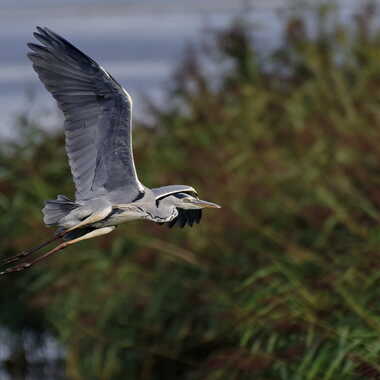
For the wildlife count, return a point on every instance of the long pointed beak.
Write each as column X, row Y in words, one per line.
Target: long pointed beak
column 204, row 204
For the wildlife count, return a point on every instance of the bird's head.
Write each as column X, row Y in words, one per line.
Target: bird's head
column 188, row 201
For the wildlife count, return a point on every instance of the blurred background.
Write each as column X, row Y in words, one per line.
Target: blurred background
column 141, row 42
column 269, row 108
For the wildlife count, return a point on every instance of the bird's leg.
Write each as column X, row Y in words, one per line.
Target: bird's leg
column 60, row 247
column 28, row 252
column 93, row 218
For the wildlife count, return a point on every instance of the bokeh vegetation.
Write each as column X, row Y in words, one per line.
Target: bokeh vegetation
column 282, row 283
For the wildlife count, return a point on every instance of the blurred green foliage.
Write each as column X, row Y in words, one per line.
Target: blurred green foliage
column 283, row 282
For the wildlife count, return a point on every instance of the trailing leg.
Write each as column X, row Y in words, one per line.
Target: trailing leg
column 30, row 251
column 60, row 247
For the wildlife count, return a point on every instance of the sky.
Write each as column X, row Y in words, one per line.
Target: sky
column 139, row 42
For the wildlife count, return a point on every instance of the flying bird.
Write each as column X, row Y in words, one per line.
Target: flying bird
column 98, row 118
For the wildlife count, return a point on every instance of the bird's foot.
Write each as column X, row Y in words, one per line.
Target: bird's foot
column 15, row 258
column 30, row 251
column 16, row 268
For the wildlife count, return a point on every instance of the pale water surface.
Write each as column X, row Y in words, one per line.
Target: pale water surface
column 139, row 42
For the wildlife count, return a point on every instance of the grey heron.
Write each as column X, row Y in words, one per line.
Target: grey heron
column 98, row 140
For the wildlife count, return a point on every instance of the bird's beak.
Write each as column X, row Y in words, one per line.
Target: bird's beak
column 204, row 204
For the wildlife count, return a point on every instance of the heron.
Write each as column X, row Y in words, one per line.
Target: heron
column 98, row 142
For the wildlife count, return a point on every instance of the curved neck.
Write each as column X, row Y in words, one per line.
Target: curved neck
column 165, row 212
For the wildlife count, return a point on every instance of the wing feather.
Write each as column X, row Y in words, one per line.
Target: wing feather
column 97, row 118
column 186, row 217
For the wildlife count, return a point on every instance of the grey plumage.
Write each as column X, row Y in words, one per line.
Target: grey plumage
column 56, row 209
column 161, row 192
column 97, row 118
column 98, row 137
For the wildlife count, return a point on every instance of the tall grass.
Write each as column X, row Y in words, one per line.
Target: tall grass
column 283, row 281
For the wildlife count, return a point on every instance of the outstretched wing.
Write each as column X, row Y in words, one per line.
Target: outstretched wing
column 97, row 114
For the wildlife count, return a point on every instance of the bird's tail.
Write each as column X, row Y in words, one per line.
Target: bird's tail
column 56, row 209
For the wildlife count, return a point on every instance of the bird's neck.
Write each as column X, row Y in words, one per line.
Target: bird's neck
column 166, row 211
